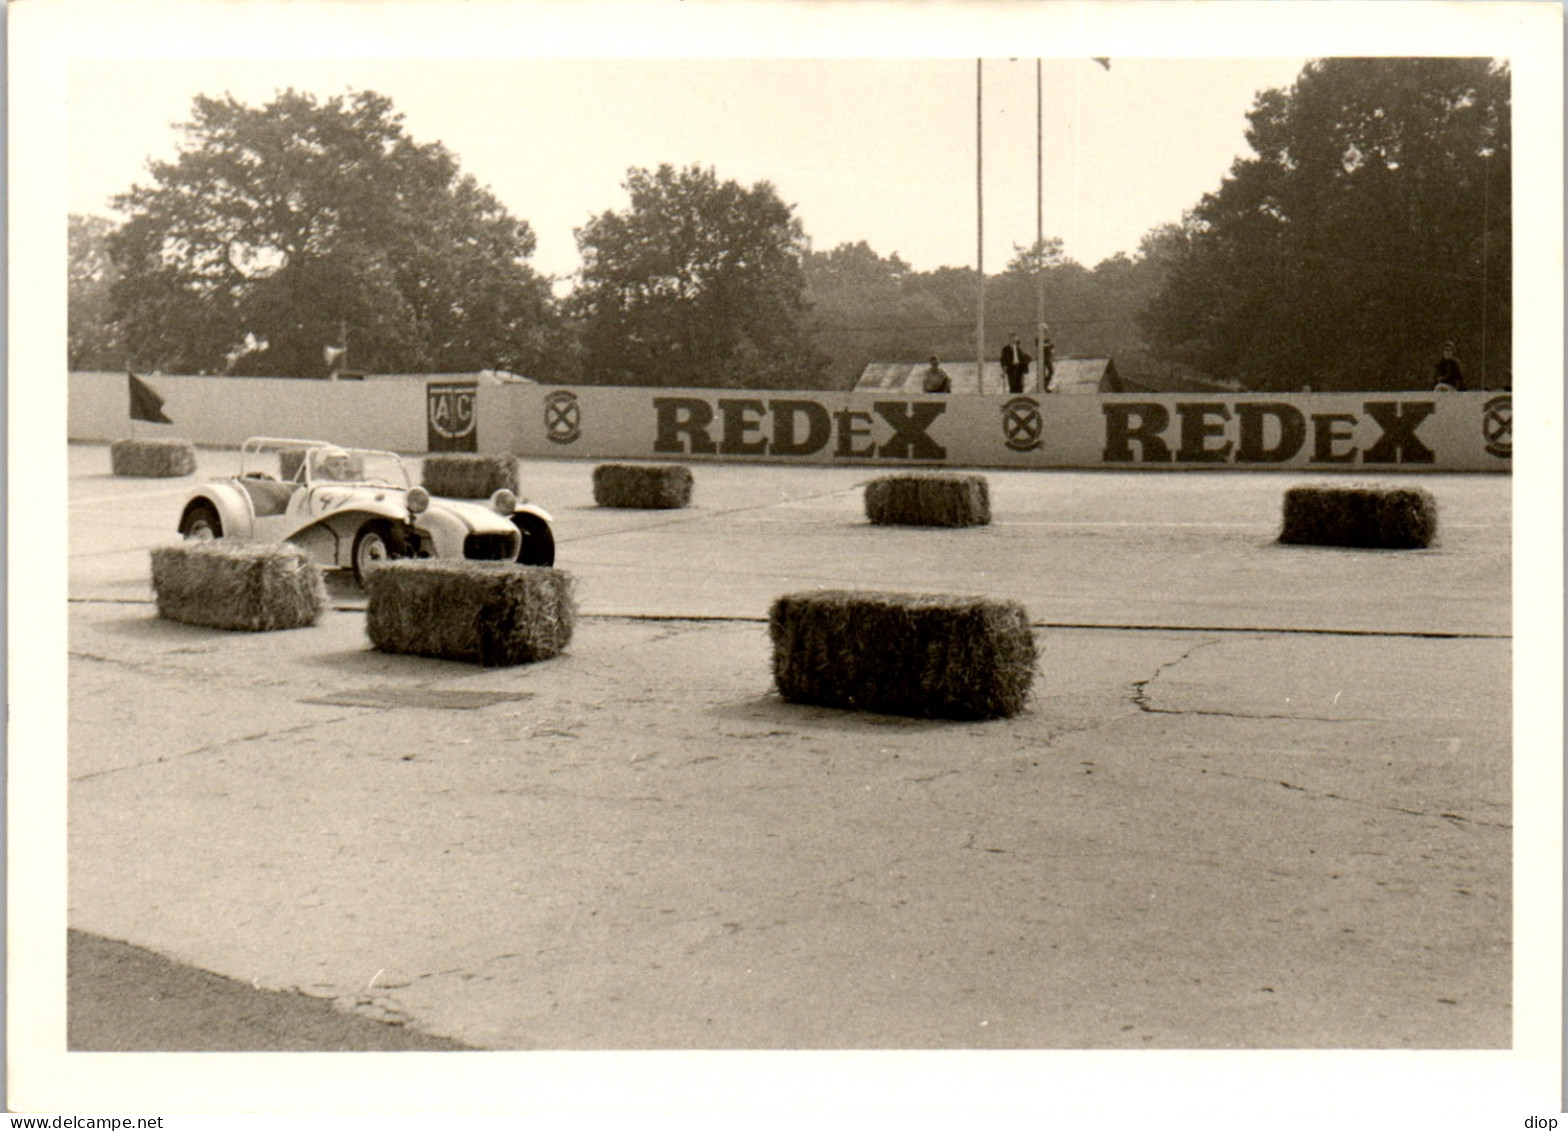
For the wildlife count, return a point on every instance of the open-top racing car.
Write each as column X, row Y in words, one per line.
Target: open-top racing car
column 352, row 507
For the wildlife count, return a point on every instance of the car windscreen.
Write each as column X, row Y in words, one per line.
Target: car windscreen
column 354, row 465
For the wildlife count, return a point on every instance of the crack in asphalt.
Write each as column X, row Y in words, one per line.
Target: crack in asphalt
column 210, row 748
column 699, row 516
column 1140, row 698
column 1326, row 796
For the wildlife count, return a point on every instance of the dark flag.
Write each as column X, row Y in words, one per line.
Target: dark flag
column 1106, row 63
column 146, row 404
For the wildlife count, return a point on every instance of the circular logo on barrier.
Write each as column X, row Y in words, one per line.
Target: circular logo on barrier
column 1021, row 424
column 562, row 417
column 1497, row 426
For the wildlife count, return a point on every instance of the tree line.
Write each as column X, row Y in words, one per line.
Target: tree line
column 1371, row 224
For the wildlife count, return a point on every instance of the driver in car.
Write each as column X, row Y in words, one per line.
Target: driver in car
column 334, row 463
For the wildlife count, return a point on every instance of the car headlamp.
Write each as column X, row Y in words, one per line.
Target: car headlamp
column 504, row 501
column 418, row 500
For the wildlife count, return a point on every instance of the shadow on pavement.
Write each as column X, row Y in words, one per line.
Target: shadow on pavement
column 121, row 998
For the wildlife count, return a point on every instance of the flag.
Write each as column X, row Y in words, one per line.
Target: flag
column 146, row 404
column 1106, row 63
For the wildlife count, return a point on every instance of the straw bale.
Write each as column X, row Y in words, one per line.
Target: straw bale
column 643, row 487
column 493, row 613
column 1362, row 516
column 464, row 475
column 245, row 586
column 926, row 656
column 931, row 499
column 152, row 459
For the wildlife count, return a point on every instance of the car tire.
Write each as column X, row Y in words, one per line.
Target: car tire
column 372, row 544
column 200, row 522
column 538, row 547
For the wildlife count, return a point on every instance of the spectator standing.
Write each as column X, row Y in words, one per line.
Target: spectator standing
column 935, row 378
column 1448, row 375
column 1047, row 359
column 1015, row 364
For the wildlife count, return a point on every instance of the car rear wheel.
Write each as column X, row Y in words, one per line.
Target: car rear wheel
column 372, row 544
column 538, row 548
column 200, row 523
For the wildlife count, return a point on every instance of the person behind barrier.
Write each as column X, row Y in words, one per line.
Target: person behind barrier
column 935, row 379
column 1448, row 376
column 1015, row 364
column 1047, row 359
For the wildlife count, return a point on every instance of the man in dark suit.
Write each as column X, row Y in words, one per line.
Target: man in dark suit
column 1015, row 364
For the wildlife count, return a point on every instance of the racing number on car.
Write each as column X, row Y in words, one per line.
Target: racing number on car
column 1021, row 424
column 1497, row 426
column 562, row 417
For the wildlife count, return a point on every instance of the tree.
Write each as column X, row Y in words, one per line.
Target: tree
column 93, row 336
column 698, row 283
column 299, row 222
column 1373, row 224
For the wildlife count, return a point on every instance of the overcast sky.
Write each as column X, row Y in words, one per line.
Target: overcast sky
column 881, row 150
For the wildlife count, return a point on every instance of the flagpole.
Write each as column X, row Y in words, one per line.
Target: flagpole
column 1039, row 228
column 979, row 234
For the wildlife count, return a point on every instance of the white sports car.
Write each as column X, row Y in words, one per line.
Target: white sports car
column 352, row 507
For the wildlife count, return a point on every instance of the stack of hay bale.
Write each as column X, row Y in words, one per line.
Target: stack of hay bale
column 1362, row 516
column 925, row 656
column 152, row 459
column 635, row 486
column 493, row 613
column 244, row 586
column 934, row 499
column 468, row 476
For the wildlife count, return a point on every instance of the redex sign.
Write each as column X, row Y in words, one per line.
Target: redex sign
column 1265, row 432
column 1413, row 431
column 796, row 427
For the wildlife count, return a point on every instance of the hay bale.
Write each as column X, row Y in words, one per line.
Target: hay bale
column 494, row 613
column 933, row 499
column 903, row 654
column 657, row 487
column 152, row 459
column 1362, row 516
column 467, row 476
column 248, row 586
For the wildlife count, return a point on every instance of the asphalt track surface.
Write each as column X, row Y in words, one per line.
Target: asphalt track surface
column 1260, row 798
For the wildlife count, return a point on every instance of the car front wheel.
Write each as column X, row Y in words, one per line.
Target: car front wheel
column 373, row 544
column 538, row 548
column 201, row 523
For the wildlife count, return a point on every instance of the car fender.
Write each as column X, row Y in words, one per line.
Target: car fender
column 329, row 539
column 232, row 504
column 531, row 508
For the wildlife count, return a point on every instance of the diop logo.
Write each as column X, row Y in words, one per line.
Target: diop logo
column 563, row 417
column 1022, row 426
column 1497, row 426
column 746, row 426
column 1216, row 432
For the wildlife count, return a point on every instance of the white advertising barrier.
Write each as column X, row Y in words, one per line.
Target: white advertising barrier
column 223, row 411
column 1329, row 431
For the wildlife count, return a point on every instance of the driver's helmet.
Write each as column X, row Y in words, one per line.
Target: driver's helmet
column 333, row 463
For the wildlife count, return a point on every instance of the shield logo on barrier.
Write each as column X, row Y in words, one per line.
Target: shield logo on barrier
column 449, row 416
column 1497, row 426
column 562, row 417
column 1022, row 424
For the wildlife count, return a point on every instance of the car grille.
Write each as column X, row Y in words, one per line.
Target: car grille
column 491, row 547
